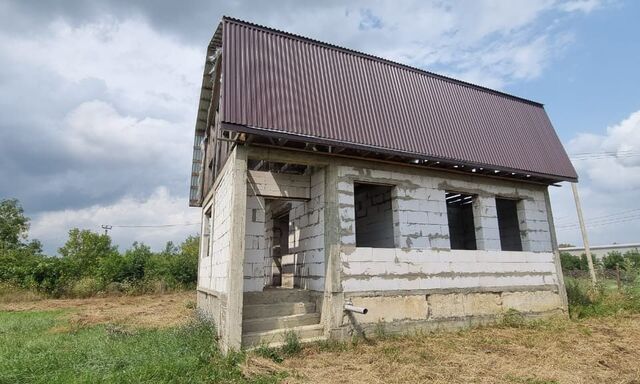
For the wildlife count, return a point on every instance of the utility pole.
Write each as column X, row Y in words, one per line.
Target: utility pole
column 585, row 240
column 106, row 228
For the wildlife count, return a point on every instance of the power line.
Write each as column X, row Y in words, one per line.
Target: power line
column 625, row 151
column 594, row 218
column 602, row 223
column 603, row 220
column 151, row 226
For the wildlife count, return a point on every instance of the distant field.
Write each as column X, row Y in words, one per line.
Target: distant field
column 154, row 339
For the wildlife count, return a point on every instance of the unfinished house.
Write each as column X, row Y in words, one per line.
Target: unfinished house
column 341, row 193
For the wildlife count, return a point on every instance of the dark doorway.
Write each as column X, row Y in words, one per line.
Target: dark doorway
column 280, row 246
column 462, row 231
column 508, row 224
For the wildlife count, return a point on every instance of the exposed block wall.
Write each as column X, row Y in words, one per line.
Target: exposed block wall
column 255, row 244
column 409, row 312
column 270, row 184
column 389, row 269
column 420, row 211
column 485, row 218
column 306, row 236
column 213, row 270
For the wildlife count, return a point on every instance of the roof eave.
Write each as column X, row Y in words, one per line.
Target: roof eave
column 323, row 141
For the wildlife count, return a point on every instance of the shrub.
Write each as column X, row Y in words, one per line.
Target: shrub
column 570, row 262
column 269, row 353
column 85, row 287
column 586, row 300
column 292, row 344
column 576, row 263
column 612, row 260
column 513, row 318
column 634, row 257
column 89, row 263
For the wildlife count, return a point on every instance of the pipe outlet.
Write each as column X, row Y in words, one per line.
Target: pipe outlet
column 352, row 308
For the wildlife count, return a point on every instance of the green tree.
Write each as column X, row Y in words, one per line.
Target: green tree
column 185, row 265
column 84, row 250
column 14, row 225
column 127, row 267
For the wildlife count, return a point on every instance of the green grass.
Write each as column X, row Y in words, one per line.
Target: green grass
column 604, row 299
column 43, row 347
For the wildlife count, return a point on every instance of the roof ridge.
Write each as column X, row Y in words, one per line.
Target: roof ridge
column 382, row 60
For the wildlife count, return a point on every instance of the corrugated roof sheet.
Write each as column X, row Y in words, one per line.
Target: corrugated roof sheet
column 275, row 81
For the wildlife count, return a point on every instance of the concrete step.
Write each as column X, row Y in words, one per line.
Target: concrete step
column 258, row 311
column 276, row 295
column 276, row 337
column 271, row 323
column 278, row 344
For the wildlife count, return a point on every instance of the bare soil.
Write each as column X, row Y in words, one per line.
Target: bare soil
column 157, row 311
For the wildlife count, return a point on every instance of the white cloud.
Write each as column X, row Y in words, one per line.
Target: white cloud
column 143, row 70
column 609, row 169
column 585, row 6
column 96, row 131
column 158, row 209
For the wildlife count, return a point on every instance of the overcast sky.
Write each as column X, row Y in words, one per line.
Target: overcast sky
column 98, row 99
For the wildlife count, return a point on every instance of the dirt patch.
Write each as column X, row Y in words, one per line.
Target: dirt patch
column 595, row 351
column 156, row 311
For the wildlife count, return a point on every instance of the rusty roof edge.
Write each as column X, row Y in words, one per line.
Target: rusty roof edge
column 383, row 60
column 338, row 143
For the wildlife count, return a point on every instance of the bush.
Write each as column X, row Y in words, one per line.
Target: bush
column 90, row 264
column 570, row 262
column 85, row 287
column 292, row 344
column 612, row 260
column 634, row 257
column 576, row 263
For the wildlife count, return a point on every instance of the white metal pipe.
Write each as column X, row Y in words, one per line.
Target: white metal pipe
column 352, row 308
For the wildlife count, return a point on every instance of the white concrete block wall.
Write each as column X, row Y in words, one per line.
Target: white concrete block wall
column 379, row 269
column 306, row 236
column 424, row 259
column 421, row 217
column 420, row 212
column 485, row 219
column 214, row 270
column 534, row 227
column 255, row 244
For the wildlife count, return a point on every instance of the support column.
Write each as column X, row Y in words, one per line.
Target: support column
column 333, row 302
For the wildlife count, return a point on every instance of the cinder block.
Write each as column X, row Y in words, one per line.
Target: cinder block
column 462, row 305
column 538, row 301
column 439, row 218
column 387, row 309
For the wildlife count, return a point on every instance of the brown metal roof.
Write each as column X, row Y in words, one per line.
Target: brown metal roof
column 275, row 82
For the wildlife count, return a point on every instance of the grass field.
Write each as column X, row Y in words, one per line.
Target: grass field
column 144, row 339
column 156, row 339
